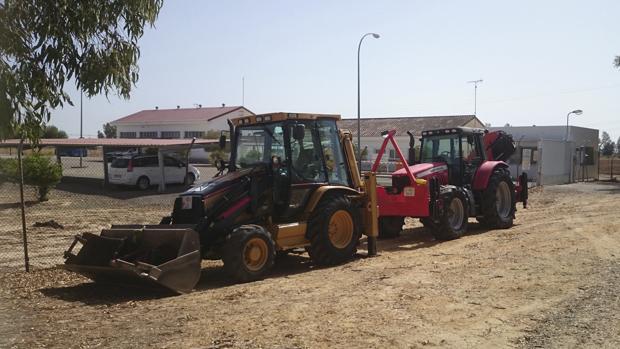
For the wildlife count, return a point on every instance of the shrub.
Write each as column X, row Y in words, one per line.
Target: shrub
column 39, row 171
column 217, row 154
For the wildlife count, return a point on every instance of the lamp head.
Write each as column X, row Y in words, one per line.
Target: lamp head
column 375, row 35
column 577, row 112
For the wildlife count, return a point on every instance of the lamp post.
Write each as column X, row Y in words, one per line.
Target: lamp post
column 576, row 112
column 570, row 156
column 475, row 82
column 359, row 143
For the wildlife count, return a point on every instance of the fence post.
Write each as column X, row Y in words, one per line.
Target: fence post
column 22, row 204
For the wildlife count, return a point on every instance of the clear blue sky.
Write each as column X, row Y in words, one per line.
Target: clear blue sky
column 539, row 60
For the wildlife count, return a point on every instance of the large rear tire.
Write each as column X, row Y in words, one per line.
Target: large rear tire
column 390, row 226
column 498, row 201
column 453, row 222
column 334, row 230
column 249, row 253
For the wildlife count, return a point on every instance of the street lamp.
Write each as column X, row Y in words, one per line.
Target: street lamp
column 572, row 166
column 576, row 112
column 475, row 82
column 359, row 143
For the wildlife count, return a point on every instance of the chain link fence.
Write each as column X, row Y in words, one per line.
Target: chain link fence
column 79, row 203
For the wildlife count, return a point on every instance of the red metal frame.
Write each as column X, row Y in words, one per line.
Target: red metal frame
column 413, row 201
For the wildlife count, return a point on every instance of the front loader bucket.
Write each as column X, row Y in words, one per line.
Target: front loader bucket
column 165, row 256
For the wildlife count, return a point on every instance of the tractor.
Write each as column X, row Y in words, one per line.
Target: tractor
column 461, row 172
column 291, row 182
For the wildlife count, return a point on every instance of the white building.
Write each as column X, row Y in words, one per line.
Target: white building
column 177, row 123
column 549, row 156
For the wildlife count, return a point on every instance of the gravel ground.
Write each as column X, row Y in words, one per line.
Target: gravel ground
column 549, row 281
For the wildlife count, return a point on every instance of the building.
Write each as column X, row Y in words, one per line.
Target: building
column 553, row 154
column 371, row 129
column 177, row 123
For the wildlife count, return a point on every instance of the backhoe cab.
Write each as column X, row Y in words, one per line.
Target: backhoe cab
column 291, row 182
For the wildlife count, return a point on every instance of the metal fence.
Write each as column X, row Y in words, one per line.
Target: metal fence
column 608, row 167
column 79, row 203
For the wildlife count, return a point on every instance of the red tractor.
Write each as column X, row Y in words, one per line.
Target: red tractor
column 461, row 173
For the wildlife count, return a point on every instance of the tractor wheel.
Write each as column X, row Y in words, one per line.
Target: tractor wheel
column 390, row 226
column 334, row 230
column 249, row 253
column 453, row 222
column 498, row 201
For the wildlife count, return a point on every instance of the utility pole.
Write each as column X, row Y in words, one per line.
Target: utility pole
column 81, row 117
column 242, row 91
column 475, row 82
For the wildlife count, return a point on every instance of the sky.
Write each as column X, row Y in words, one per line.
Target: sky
column 538, row 59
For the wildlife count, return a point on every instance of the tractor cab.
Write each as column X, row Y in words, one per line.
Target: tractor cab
column 298, row 153
column 455, row 154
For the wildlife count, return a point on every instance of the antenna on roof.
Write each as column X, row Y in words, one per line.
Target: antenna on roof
column 475, row 82
column 197, row 105
column 178, row 106
column 223, row 105
column 156, row 107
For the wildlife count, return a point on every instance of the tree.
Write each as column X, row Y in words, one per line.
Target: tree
column 617, row 62
column 109, row 131
column 606, row 145
column 47, row 43
column 51, row 131
column 618, row 146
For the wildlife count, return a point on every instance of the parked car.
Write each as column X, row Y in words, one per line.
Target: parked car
column 143, row 171
column 74, row 152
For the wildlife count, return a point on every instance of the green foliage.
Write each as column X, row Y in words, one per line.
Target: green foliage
column 617, row 62
column 39, row 171
column 216, row 155
column 213, row 134
column 251, row 156
column 51, row 131
column 109, row 131
column 47, row 43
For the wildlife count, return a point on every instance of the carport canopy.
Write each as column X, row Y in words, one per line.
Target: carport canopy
column 112, row 143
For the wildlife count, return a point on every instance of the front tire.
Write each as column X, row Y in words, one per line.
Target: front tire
column 498, row 201
column 143, row 183
column 334, row 231
column 453, row 222
column 190, row 179
column 390, row 226
column 249, row 253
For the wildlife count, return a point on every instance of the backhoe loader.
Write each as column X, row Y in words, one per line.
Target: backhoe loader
column 291, row 182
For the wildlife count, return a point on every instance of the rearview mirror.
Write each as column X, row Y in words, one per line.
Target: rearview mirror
column 222, row 141
column 299, row 131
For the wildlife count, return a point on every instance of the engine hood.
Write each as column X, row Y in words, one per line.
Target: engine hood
column 218, row 183
column 423, row 170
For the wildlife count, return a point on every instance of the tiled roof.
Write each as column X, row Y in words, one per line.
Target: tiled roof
column 176, row 115
column 372, row 127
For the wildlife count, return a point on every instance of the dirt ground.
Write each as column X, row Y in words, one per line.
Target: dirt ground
column 550, row 281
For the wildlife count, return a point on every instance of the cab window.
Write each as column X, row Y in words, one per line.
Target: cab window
column 306, row 163
column 332, row 151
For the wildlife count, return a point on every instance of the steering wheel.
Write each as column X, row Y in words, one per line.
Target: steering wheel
column 309, row 169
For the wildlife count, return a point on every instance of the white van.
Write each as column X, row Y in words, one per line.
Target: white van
column 143, row 171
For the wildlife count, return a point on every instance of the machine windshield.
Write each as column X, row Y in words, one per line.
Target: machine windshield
column 258, row 143
column 440, row 148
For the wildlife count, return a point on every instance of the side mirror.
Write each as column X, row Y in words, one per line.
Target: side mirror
column 299, row 131
column 222, row 141
column 411, row 159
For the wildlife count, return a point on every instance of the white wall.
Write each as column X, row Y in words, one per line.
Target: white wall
column 220, row 123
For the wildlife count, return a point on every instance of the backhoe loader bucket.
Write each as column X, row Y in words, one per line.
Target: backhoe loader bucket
column 165, row 256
